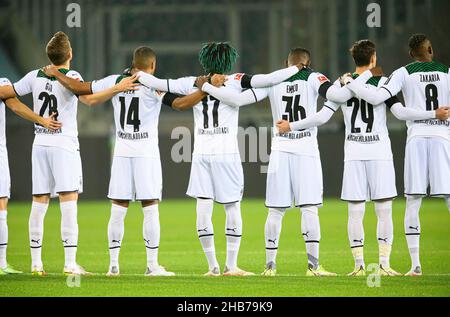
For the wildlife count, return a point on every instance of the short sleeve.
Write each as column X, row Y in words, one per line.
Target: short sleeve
column 5, row 82
column 25, row 85
column 394, row 83
column 103, row 84
column 181, row 86
column 75, row 75
column 320, row 83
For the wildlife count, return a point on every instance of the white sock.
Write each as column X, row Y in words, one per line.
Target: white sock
column 3, row 238
column 311, row 234
column 36, row 232
column 385, row 231
column 205, row 230
column 412, row 228
column 115, row 233
column 69, row 232
column 233, row 232
column 355, row 229
column 447, row 200
column 272, row 232
column 151, row 231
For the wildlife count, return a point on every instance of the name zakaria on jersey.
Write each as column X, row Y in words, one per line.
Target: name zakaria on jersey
column 3, row 82
column 425, row 86
column 49, row 96
column 293, row 100
column 136, row 117
column 366, row 133
column 215, row 123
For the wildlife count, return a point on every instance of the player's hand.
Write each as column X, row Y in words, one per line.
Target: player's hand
column 128, row 83
column 200, row 81
column 377, row 71
column 50, row 122
column 442, row 113
column 283, row 126
column 50, row 70
column 218, row 80
column 345, row 79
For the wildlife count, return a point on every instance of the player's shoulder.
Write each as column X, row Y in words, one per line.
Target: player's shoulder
column 4, row 82
column 235, row 81
column 376, row 81
column 303, row 75
column 71, row 73
column 425, row 67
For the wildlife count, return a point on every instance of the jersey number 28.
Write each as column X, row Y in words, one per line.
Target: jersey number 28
column 48, row 102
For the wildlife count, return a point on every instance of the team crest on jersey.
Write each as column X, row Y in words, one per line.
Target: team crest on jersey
column 238, row 76
column 322, row 79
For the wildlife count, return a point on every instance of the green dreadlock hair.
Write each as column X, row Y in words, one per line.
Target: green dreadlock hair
column 217, row 57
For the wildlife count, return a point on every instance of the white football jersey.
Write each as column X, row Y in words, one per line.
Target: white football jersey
column 3, row 82
column 136, row 117
column 366, row 133
column 425, row 86
column 50, row 96
column 215, row 123
column 294, row 100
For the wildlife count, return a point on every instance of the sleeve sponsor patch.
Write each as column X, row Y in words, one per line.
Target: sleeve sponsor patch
column 238, row 76
column 322, row 78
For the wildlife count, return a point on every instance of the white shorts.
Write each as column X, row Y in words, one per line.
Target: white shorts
column 135, row 178
column 218, row 177
column 292, row 177
column 368, row 180
column 427, row 162
column 55, row 170
column 5, row 179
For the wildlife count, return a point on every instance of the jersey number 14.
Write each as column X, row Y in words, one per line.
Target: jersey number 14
column 132, row 114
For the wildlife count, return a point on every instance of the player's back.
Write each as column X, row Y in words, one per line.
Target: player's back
column 425, row 86
column 136, row 118
column 215, row 123
column 366, row 133
column 293, row 100
column 49, row 96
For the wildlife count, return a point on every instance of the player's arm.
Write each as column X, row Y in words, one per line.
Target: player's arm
column 77, row 87
column 182, row 103
column 126, row 84
column 7, row 92
column 268, row 80
column 317, row 119
column 335, row 93
column 409, row 114
column 233, row 97
column 390, row 89
column 23, row 111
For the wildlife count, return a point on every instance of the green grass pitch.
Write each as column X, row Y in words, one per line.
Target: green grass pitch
column 180, row 252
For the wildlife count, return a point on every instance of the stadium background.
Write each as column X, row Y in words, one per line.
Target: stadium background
column 262, row 30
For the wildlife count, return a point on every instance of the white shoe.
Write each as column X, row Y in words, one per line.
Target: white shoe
column 417, row 271
column 158, row 271
column 113, row 271
column 236, row 272
column 77, row 270
column 213, row 272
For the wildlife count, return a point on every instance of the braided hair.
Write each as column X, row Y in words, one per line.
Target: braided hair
column 217, row 57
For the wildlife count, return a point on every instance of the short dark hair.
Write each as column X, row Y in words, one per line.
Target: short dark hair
column 300, row 53
column 416, row 42
column 142, row 57
column 58, row 48
column 362, row 51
